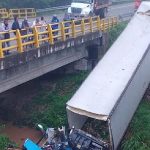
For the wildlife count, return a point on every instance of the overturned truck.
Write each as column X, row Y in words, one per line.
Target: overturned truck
column 110, row 95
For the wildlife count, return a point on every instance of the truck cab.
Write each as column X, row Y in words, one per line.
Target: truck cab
column 84, row 8
column 81, row 7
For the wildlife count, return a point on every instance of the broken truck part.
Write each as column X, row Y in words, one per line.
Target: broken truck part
column 114, row 89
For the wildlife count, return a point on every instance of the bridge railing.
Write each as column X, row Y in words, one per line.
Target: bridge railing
column 22, row 13
column 52, row 33
column 3, row 13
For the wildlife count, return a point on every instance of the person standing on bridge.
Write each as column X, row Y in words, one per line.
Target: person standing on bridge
column 43, row 21
column 37, row 23
column 43, row 26
column 67, row 23
column 55, row 25
column 6, row 28
column 25, row 28
column 15, row 24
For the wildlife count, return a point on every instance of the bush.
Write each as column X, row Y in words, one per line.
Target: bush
column 138, row 135
column 4, row 142
column 115, row 32
column 49, row 107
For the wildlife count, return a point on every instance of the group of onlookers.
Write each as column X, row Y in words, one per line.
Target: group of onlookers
column 24, row 28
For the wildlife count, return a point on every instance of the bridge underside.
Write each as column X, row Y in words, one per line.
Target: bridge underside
column 20, row 68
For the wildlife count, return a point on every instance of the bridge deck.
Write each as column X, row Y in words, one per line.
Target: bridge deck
column 40, row 35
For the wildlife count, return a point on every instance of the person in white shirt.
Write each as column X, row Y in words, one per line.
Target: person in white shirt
column 36, row 23
column 5, row 29
column 43, row 21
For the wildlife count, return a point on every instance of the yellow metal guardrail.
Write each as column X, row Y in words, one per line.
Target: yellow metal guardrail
column 3, row 13
column 41, row 34
column 22, row 13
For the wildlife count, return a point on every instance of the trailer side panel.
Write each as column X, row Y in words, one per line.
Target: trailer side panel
column 130, row 99
column 75, row 119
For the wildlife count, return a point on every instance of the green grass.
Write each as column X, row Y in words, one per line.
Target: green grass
column 115, row 32
column 138, row 134
column 3, row 142
column 49, row 108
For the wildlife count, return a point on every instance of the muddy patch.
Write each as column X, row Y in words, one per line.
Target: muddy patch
column 20, row 134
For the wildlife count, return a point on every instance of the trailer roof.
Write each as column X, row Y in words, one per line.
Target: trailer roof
column 98, row 95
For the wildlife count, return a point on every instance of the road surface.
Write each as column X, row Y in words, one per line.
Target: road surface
column 119, row 10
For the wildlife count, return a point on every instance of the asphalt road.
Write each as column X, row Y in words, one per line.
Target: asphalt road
column 119, row 10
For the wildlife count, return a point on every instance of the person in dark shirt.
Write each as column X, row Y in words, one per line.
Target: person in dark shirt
column 67, row 23
column 54, row 22
column 55, row 26
column 15, row 24
column 25, row 26
column 25, row 29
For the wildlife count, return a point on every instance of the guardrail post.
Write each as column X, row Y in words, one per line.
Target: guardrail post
column 19, row 41
column 82, row 26
column 36, row 37
column 112, row 23
column 91, row 24
column 50, row 34
column 103, row 25
column 73, row 29
column 19, row 13
column 109, row 23
column 63, row 31
column 98, row 23
column 116, row 20
column 1, row 50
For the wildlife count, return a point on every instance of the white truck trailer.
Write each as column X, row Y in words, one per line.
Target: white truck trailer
column 114, row 89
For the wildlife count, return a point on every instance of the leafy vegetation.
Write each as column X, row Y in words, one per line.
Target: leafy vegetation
column 48, row 107
column 115, row 32
column 32, row 3
column 3, row 142
column 138, row 135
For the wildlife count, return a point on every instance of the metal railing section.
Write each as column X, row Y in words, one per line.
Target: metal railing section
column 22, row 13
column 52, row 33
column 3, row 13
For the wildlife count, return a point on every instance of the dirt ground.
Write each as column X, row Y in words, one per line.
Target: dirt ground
column 19, row 135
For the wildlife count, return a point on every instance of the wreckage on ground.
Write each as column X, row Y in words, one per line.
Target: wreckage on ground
column 114, row 89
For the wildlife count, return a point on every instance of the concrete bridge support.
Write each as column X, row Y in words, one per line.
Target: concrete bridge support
column 20, row 68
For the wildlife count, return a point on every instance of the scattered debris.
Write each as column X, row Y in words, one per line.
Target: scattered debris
column 98, row 129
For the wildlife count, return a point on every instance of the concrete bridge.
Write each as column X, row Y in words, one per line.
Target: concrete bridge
column 48, row 49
